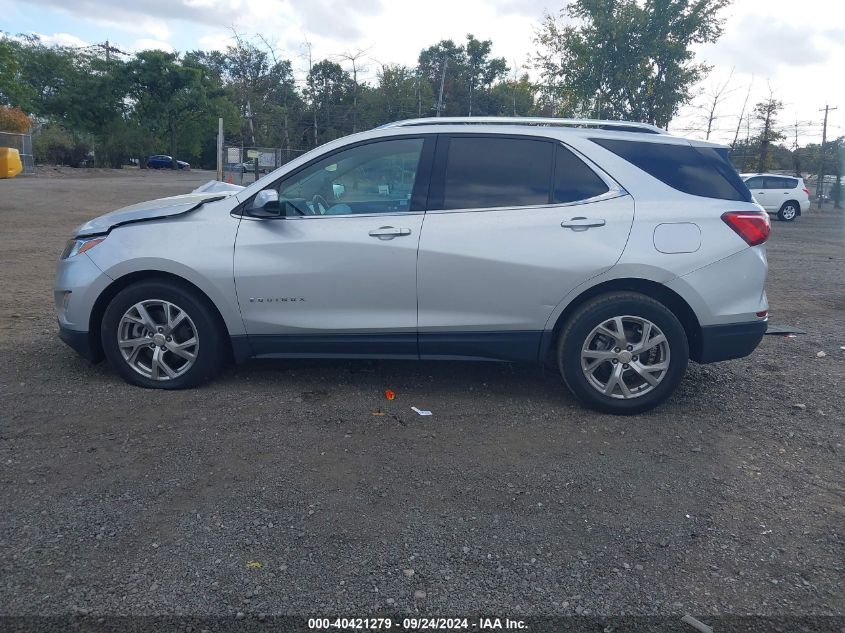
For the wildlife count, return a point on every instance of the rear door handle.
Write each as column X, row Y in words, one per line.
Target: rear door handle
column 581, row 224
column 389, row 232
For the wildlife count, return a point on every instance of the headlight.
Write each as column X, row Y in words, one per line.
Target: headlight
column 76, row 246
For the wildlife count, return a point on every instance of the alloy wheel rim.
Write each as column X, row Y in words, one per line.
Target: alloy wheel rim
column 625, row 357
column 789, row 212
column 158, row 339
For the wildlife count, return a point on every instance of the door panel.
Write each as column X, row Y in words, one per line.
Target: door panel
column 763, row 198
column 338, row 275
column 506, row 269
column 327, row 274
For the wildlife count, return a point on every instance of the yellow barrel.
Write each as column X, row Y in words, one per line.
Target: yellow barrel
column 10, row 162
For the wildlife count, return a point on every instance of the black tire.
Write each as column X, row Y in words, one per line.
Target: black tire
column 210, row 352
column 789, row 211
column 597, row 311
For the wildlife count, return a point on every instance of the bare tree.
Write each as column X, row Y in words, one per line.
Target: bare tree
column 715, row 95
column 312, row 88
column 271, row 50
column 353, row 57
column 742, row 113
column 248, row 114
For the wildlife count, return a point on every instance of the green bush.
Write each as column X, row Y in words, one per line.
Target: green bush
column 54, row 145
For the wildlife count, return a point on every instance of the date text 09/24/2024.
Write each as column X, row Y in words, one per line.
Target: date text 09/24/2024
column 416, row 624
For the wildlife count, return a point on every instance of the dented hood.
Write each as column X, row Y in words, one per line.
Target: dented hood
column 152, row 210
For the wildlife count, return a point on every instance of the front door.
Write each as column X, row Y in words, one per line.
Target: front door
column 337, row 275
column 515, row 224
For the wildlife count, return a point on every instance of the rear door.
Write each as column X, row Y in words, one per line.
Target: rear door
column 514, row 223
column 338, row 275
column 787, row 189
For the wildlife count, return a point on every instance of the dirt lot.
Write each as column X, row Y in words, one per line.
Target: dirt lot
column 275, row 490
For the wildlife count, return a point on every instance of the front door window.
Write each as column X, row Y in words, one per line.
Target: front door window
column 367, row 179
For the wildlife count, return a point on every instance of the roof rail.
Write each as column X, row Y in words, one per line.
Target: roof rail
column 622, row 126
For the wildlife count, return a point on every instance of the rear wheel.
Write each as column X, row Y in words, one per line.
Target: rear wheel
column 622, row 353
column 789, row 211
column 158, row 335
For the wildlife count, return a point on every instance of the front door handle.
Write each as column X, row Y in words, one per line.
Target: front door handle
column 581, row 224
column 389, row 232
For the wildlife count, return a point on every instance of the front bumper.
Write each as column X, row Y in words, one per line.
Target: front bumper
column 733, row 340
column 81, row 343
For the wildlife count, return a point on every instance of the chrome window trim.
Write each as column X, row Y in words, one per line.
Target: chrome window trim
column 287, row 218
column 607, row 195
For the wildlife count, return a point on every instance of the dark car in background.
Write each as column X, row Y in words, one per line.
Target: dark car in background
column 160, row 161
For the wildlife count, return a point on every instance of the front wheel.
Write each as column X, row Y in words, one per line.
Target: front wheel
column 788, row 212
column 623, row 353
column 159, row 335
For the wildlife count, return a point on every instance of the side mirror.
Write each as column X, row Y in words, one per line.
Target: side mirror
column 265, row 205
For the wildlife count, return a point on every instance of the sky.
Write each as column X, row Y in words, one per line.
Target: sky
column 795, row 49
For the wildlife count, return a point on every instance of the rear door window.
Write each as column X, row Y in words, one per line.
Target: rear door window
column 485, row 172
column 754, row 183
column 699, row 171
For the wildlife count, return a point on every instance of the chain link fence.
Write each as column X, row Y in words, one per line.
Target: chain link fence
column 245, row 165
column 22, row 143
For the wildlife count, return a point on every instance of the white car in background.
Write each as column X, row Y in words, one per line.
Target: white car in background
column 786, row 196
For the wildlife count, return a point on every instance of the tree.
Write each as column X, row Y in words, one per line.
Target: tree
column 440, row 66
column 765, row 113
column 513, row 97
column 714, row 97
column 14, row 120
column 330, row 92
column 742, row 113
column 354, row 58
column 172, row 101
column 481, row 70
column 461, row 76
column 625, row 58
column 14, row 89
column 398, row 94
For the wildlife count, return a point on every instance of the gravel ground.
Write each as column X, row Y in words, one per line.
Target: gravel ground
column 276, row 490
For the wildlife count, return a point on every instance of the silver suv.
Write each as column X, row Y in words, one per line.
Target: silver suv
column 612, row 249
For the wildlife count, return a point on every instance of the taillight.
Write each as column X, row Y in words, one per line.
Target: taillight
column 807, row 191
column 752, row 226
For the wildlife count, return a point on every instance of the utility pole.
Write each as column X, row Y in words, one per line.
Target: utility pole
column 109, row 49
column 312, row 88
column 220, row 148
column 419, row 94
column 442, row 81
column 819, row 183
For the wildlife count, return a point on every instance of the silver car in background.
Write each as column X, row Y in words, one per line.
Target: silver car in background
column 612, row 250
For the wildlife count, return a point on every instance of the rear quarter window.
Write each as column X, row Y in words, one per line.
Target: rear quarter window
column 699, row 171
column 574, row 181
